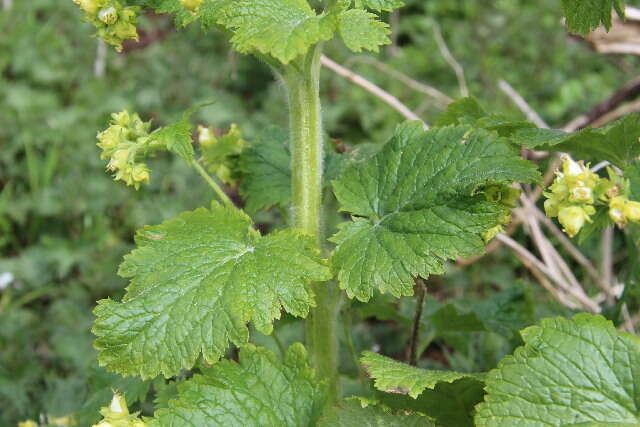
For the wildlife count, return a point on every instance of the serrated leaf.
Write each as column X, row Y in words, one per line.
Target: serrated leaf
column 449, row 404
column 351, row 413
column 183, row 16
column 379, row 5
column 196, row 281
column 362, row 30
column 618, row 143
column 284, row 29
column 260, row 390
column 468, row 111
column 414, row 206
column 177, row 136
column 464, row 111
column 392, row 376
column 569, row 372
column 583, row 16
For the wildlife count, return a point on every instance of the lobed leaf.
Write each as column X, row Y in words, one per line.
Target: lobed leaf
column 259, row 390
column 362, row 30
column 415, row 205
column 569, row 372
column 583, row 16
column 618, row 142
column 392, row 376
column 284, row 29
column 177, row 136
column 196, row 281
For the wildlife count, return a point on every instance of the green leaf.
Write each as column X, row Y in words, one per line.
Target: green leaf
column 177, row 136
column 468, row 111
column 465, row 111
column 183, row 16
column 196, row 280
column 379, row 5
column 449, row 404
column 618, row 143
column 632, row 173
column 392, row 376
column 351, row 413
column 260, row 390
column 583, row 16
column 266, row 168
column 415, row 205
column 505, row 313
column 362, row 30
column 569, row 372
column 266, row 171
column 284, row 29
column 450, row 319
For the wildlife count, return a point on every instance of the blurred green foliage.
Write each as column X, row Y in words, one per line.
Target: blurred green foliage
column 64, row 224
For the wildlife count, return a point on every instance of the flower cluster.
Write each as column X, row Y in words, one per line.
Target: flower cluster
column 117, row 414
column 113, row 21
column 125, row 140
column 507, row 197
column 577, row 192
column 220, row 154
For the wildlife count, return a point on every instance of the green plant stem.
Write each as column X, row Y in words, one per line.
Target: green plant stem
column 221, row 194
column 302, row 81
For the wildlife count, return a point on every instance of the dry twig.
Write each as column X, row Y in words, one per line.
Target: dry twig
column 372, row 88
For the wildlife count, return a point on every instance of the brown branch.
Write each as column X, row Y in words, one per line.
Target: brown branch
column 372, row 88
column 628, row 91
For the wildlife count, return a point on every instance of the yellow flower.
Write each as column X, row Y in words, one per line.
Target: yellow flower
column 572, row 219
column 631, row 211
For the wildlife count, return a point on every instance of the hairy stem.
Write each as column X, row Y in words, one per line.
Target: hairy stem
column 302, row 81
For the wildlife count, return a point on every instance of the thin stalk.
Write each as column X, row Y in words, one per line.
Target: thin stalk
column 214, row 185
column 420, row 293
column 302, row 81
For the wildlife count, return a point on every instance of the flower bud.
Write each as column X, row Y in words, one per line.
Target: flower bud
column 572, row 219
column 108, row 15
column 118, row 404
column 123, row 118
column 192, row 5
column 617, row 216
column 581, row 194
column 119, row 160
column 551, row 207
column 570, row 167
column 488, row 235
column 140, row 173
column 206, row 138
column 88, row 6
column 631, row 211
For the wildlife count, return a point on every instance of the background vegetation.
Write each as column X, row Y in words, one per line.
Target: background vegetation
column 64, row 224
